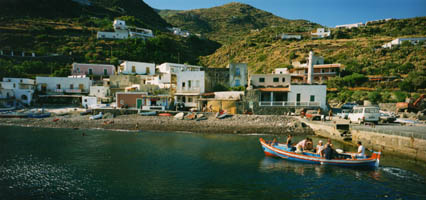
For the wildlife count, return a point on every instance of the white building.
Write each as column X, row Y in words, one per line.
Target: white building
column 399, row 41
column 63, row 85
column 180, row 32
column 285, row 36
column 141, row 68
column 295, row 96
column 238, row 74
column 190, row 85
column 320, row 33
column 89, row 102
column 349, row 26
column 166, row 77
column 281, row 71
column 269, row 80
column 21, row 89
column 99, row 91
column 121, row 31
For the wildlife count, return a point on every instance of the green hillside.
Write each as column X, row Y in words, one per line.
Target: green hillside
column 60, row 38
column 231, row 22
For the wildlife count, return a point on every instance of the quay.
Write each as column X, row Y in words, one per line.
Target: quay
column 395, row 139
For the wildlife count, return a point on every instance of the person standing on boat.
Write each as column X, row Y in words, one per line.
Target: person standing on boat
column 320, row 148
column 289, row 143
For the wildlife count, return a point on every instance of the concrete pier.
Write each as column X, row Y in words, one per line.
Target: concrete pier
column 405, row 141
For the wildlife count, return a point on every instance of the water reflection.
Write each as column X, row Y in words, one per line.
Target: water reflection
column 270, row 164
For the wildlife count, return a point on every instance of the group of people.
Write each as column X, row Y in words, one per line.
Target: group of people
column 325, row 151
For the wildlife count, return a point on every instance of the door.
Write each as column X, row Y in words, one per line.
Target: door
column 298, row 99
column 138, row 103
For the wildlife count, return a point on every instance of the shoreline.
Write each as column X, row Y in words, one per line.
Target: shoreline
column 237, row 124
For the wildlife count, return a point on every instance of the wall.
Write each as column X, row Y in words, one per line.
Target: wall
column 129, row 98
column 97, row 69
column 140, row 68
column 64, row 82
column 242, row 77
column 193, row 76
column 215, row 77
column 99, row 91
column 269, row 80
column 320, row 92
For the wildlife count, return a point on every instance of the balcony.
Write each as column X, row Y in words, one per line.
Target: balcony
column 290, row 103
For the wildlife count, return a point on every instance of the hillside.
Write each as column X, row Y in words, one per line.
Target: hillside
column 231, row 22
column 60, row 32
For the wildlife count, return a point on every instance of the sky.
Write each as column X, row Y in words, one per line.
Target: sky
column 325, row 12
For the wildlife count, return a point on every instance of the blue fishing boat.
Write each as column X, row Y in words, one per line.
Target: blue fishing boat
column 282, row 151
column 152, row 113
column 39, row 115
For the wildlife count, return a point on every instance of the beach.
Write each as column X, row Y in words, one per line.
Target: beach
column 236, row 124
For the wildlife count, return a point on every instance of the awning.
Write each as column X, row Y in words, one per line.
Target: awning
column 274, row 89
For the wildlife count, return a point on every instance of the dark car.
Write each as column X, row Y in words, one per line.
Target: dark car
column 348, row 106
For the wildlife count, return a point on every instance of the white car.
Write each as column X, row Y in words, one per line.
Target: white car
column 362, row 114
column 344, row 114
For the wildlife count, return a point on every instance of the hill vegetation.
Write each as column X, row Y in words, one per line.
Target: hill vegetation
column 231, row 22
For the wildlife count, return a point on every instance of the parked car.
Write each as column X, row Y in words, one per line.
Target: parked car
column 313, row 115
column 344, row 114
column 362, row 114
column 348, row 106
column 387, row 117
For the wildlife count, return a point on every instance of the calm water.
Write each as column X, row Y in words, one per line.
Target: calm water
column 63, row 164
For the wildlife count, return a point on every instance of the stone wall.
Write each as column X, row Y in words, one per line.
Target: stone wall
column 215, row 77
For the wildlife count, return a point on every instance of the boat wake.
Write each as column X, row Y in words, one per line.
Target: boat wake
column 403, row 174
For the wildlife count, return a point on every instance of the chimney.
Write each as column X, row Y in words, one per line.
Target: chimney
column 311, row 67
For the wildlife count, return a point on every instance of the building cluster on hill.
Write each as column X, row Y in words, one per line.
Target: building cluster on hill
column 147, row 86
column 123, row 31
column 360, row 24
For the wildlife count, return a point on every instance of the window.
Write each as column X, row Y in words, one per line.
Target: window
column 262, row 80
column 189, row 84
column 312, row 99
column 133, row 69
column 147, row 70
column 190, row 99
column 105, row 72
column 20, row 80
column 14, row 85
column 237, row 83
column 71, row 86
column 78, row 69
column 283, row 80
column 183, row 84
column 90, row 71
column 237, row 71
column 276, row 79
column 58, row 86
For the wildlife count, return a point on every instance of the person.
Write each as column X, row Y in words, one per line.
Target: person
column 361, row 151
column 309, row 145
column 328, row 152
column 330, row 114
column 329, row 142
column 301, row 145
column 289, row 143
column 320, row 148
column 274, row 142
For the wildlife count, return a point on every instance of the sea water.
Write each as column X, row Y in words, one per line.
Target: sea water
column 38, row 163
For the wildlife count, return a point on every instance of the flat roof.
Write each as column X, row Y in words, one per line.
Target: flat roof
column 274, row 89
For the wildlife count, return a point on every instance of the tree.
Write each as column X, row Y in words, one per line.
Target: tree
column 374, row 97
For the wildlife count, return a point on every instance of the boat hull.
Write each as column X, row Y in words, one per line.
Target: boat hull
column 286, row 153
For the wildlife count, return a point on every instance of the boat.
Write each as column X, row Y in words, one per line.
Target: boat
column 7, row 109
column 282, row 151
column 95, row 117
column 13, row 115
column 222, row 115
column 152, row 113
column 39, row 115
column 86, row 112
column 165, row 114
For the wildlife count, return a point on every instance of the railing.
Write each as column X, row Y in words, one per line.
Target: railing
column 73, row 91
column 289, row 103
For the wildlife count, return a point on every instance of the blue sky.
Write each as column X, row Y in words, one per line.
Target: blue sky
column 325, row 12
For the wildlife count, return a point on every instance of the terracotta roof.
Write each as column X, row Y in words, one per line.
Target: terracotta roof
column 274, row 89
